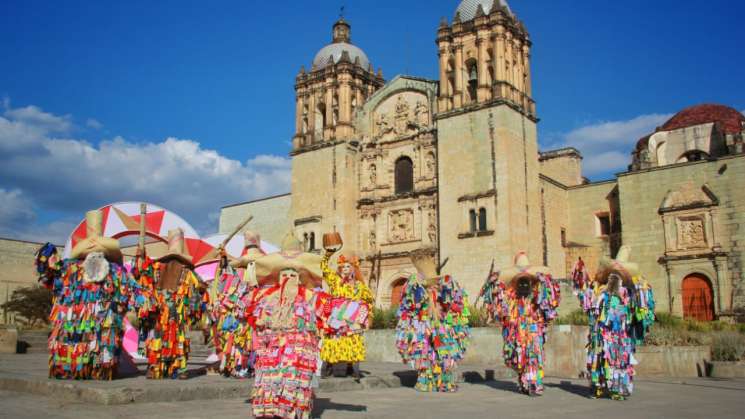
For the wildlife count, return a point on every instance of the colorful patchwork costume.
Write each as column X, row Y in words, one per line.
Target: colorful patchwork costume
column 432, row 331
column 346, row 283
column 178, row 303
column 91, row 293
column 288, row 319
column 620, row 308
column 524, row 300
column 230, row 332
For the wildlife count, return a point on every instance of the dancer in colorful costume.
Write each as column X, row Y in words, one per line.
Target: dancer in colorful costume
column 231, row 333
column 345, row 282
column 432, row 332
column 289, row 318
column 524, row 299
column 620, row 308
column 178, row 304
column 91, row 292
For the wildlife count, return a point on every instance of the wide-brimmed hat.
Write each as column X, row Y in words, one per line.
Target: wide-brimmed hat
column 251, row 250
column 426, row 266
column 620, row 264
column 94, row 240
column 176, row 248
column 521, row 269
column 307, row 265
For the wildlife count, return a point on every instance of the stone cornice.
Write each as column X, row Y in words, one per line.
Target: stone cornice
column 483, row 105
column 415, row 194
column 316, row 146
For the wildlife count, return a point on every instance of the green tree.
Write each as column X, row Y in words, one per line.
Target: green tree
column 32, row 304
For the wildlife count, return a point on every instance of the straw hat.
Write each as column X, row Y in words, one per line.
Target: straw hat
column 252, row 247
column 176, row 248
column 94, row 240
column 620, row 265
column 522, row 268
column 308, row 265
column 425, row 264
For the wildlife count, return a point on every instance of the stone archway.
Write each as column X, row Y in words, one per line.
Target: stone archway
column 397, row 290
column 698, row 297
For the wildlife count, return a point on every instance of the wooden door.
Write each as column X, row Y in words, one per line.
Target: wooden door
column 698, row 298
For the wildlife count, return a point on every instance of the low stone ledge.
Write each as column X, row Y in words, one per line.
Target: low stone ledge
column 720, row 369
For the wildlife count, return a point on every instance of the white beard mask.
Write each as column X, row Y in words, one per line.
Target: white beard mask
column 95, row 267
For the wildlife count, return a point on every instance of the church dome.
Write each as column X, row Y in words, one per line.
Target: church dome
column 729, row 119
column 335, row 50
column 467, row 8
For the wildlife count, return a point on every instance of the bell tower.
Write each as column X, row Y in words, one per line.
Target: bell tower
column 340, row 79
column 489, row 187
column 484, row 55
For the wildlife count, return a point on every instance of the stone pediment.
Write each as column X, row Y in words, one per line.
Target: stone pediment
column 688, row 196
column 401, row 108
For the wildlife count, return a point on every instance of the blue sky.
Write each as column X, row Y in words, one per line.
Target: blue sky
column 201, row 94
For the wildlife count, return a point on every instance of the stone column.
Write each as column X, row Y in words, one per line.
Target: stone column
column 499, row 60
column 482, row 91
column 511, row 70
column 299, row 113
column 312, row 117
column 343, row 129
column 526, row 63
column 443, row 100
column 458, row 94
column 328, row 129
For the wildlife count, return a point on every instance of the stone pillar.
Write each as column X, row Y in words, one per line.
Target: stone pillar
column 526, row 62
column 444, row 99
column 458, row 70
column 499, row 60
column 508, row 56
column 344, row 127
column 328, row 129
column 482, row 92
column 312, row 117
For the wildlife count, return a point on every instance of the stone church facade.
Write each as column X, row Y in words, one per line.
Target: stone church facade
column 453, row 166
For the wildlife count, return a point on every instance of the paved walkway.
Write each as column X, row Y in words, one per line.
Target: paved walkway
column 691, row 398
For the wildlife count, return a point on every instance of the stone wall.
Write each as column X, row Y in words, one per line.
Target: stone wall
column 720, row 256
column 271, row 217
column 564, row 353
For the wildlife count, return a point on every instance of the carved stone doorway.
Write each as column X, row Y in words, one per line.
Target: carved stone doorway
column 698, row 298
column 397, row 290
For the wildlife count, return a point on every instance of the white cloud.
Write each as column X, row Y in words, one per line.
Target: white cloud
column 33, row 116
column 16, row 208
column 94, row 124
column 70, row 176
column 606, row 146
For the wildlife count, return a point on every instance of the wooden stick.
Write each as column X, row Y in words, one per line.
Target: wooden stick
column 141, row 238
column 223, row 260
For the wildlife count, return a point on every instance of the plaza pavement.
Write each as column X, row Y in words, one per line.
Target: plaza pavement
column 691, row 398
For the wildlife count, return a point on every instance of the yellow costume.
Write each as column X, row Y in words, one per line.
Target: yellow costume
column 344, row 348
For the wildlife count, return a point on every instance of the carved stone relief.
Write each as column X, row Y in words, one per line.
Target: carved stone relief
column 401, row 225
column 402, row 114
column 691, row 233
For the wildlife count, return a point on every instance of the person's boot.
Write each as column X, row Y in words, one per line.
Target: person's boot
column 356, row 372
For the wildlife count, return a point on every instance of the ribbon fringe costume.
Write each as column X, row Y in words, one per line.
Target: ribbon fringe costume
column 346, row 348
column 173, row 311
column 289, row 320
column 524, row 321
column 432, row 331
column 618, row 322
column 86, row 317
column 232, row 334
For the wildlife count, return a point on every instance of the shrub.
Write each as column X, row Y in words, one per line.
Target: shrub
column 728, row 346
column 32, row 305
column 576, row 318
column 478, row 316
column 384, row 318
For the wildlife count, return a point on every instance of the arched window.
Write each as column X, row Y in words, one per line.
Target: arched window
column 305, row 241
column 693, row 155
column 473, row 79
column 312, row 241
column 397, row 289
column 482, row 219
column 404, row 175
column 472, row 220
column 320, row 120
